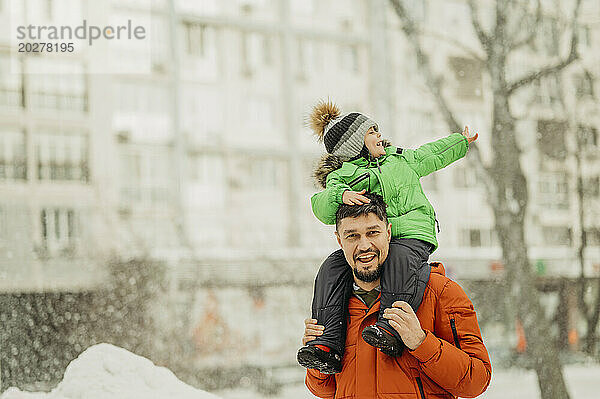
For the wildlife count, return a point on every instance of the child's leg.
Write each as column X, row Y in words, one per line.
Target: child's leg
column 404, row 277
column 333, row 287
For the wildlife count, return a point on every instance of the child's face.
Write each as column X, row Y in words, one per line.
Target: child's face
column 374, row 143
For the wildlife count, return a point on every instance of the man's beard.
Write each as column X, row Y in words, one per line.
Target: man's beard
column 368, row 276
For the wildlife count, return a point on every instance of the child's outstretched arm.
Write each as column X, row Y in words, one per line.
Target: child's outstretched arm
column 438, row 154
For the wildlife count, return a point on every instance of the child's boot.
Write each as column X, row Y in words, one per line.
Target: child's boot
column 382, row 338
column 333, row 287
column 321, row 358
column 404, row 277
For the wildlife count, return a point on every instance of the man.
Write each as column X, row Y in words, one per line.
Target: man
column 445, row 356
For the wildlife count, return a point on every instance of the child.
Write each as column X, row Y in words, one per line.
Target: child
column 360, row 161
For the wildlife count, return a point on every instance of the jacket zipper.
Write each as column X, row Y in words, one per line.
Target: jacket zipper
column 359, row 179
column 454, row 333
column 420, row 384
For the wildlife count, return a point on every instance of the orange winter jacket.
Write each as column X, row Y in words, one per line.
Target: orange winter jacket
column 451, row 362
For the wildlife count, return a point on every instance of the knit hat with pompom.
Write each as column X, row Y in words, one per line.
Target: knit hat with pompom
column 342, row 134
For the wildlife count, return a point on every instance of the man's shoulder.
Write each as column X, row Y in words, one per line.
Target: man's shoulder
column 445, row 289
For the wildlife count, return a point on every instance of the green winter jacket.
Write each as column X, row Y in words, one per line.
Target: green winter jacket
column 395, row 176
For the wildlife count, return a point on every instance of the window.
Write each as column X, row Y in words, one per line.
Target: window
column 257, row 52
column 10, row 84
column 195, row 39
column 588, row 136
column 584, row 84
column 478, row 238
column 548, row 39
column 553, row 189
column 551, row 138
column 349, row 58
column 302, row 7
column 257, row 173
column 468, row 75
column 63, row 87
column 202, row 115
column 207, row 170
column 145, row 174
column 309, row 59
column 429, row 183
column 60, row 228
column 248, row 6
column 591, row 187
column 547, row 90
column 62, row 156
column 591, row 237
column 556, row 236
column 260, row 112
column 465, row 178
column 417, row 9
column 585, row 36
column 48, row 10
column 138, row 97
column 13, row 159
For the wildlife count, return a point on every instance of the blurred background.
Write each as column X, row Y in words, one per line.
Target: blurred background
column 166, row 209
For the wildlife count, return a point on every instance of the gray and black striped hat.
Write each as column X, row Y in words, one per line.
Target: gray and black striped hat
column 345, row 135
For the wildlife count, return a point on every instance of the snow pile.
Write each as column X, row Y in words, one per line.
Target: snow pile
column 106, row 371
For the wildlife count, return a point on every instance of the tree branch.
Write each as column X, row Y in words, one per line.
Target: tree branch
column 468, row 50
column 483, row 37
column 433, row 82
column 557, row 67
column 531, row 36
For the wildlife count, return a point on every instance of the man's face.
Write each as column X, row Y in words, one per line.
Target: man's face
column 365, row 241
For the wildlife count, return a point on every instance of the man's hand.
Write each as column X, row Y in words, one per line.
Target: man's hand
column 355, row 197
column 404, row 320
column 466, row 134
column 311, row 330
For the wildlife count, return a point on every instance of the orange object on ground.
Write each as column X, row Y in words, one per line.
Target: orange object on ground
column 521, row 340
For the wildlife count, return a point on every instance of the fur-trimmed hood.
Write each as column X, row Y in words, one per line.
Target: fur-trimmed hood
column 328, row 163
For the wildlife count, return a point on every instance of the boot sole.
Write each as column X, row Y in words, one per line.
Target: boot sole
column 311, row 361
column 379, row 340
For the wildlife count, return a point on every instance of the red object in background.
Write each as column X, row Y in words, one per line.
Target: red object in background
column 496, row 266
column 521, row 341
column 573, row 338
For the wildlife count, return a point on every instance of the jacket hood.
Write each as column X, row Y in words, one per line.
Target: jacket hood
column 328, row 163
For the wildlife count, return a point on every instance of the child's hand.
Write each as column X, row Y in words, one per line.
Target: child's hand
column 355, row 197
column 466, row 134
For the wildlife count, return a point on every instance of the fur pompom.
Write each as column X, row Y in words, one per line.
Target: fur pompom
column 320, row 116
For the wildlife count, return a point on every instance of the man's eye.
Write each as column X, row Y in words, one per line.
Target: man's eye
column 373, row 233
column 351, row 236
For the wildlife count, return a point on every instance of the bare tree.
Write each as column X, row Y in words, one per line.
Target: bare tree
column 589, row 309
column 506, row 183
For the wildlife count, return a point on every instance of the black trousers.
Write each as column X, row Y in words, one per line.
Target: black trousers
column 404, row 277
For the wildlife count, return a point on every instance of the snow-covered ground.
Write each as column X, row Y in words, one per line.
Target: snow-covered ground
column 583, row 382
column 108, row 372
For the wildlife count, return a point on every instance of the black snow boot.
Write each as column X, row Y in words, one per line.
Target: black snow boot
column 333, row 287
column 404, row 277
column 311, row 357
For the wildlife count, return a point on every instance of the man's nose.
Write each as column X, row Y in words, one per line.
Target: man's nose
column 364, row 244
